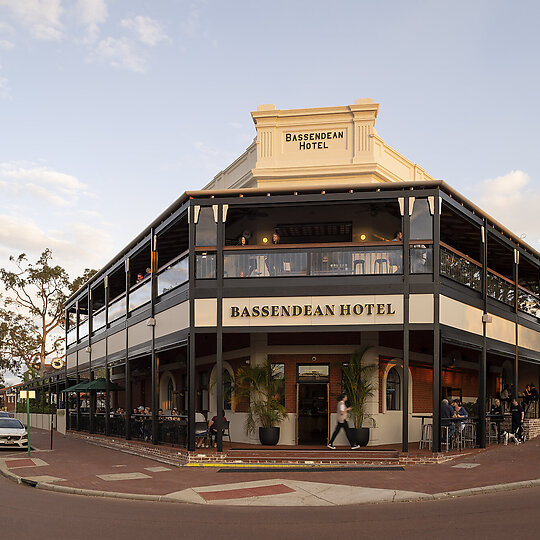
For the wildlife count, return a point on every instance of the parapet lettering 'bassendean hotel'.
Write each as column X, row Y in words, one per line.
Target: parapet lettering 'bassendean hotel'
column 319, row 240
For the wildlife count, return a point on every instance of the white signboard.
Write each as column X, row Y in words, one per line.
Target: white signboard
column 23, row 394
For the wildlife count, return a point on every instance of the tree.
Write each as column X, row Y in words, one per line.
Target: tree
column 37, row 291
column 19, row 341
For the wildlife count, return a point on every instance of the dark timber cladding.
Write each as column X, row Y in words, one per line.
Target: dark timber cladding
column 462, row 269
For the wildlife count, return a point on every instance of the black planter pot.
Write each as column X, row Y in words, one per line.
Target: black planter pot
column 360, row 435
column 269, row 436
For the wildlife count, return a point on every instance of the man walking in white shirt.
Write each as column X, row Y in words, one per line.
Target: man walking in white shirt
column 342, row 411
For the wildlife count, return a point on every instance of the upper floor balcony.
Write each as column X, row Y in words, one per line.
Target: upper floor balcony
column 307, row 240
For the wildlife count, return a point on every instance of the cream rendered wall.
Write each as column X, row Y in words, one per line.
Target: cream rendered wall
column 98, row 350
column 360, row 156
column 172, row 320
column 71, row 360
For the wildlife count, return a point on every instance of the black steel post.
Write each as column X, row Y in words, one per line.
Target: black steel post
column 516, row 304
column 436, row 431
column 93, row 396
column 155, row 359
column 127, row 368
column 107, row 373
column 406, row 301
column 482, row 364
column 219, row 328
column 191, row 337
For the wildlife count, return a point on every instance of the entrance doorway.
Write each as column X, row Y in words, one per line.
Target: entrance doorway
column 312, row 413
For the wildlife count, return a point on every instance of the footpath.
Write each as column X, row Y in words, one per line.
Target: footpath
column 75, row 466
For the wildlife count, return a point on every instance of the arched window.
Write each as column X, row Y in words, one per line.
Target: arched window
column 170, row 395
column 393, row 390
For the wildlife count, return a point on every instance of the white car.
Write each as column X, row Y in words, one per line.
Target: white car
column 12, row 433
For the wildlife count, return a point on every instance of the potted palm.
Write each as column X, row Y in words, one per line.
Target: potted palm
column 357, row 386
column 260, row 386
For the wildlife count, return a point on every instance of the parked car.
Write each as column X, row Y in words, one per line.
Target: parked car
column 12, row 433
column 4, row 414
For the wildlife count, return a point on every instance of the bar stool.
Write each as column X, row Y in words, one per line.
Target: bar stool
column 426, row 438
column 468, row 435
column 360, row 264
column 380, row 263
column 445, row 437
column 491, row 431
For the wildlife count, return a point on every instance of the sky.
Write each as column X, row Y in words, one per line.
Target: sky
column 111, row 109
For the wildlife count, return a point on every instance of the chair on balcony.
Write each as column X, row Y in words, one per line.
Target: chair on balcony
column 380, row 265
column 359, row 267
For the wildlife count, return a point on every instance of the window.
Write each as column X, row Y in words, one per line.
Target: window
column 278, row 371
column 206, row 228
column 170, row 395
column 393, row 390
column 313, row 373
column 421, row 221
column 227, row 390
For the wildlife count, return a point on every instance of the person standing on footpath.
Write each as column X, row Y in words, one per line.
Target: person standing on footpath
column 342, row 411
column 517, row 419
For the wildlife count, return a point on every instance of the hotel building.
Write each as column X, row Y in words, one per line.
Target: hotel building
column 319, row 240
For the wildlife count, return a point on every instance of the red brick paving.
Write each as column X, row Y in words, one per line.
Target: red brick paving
column 13, row 463
column 227, row 494
column 79, row 462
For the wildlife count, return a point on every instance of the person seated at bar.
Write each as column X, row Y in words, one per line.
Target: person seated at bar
column 275, row 238
column 212, row 429
column 447, row 413
column 496, row 415
column 460, row 412
column 139, row 278
column 395, row 256
column 147, row 272
column 242, row 241
column 398, row 237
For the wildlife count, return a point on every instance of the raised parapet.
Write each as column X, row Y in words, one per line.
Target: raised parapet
column 317, row 147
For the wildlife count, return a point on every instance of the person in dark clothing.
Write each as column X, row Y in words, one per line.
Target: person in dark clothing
column 447, row 413
column 496, row 415
column 212, row 429
column 530, row 395
column 517, row 419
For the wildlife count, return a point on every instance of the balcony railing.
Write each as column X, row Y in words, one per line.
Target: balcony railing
column 83, row 328
column 317, row 261
column 98, row 319
column 140, row 294
column 421, row 257
column 72, row 335
column 528, row 302
column 500, row 288
column 117, row 308
column 205, row 265
column 174, row 275
column 460, row 268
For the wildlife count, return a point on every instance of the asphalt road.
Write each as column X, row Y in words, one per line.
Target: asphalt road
column 29, row 513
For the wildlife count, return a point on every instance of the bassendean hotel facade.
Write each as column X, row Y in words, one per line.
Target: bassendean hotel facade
column 450, row 309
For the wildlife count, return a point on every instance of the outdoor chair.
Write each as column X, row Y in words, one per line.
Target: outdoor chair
column 201, row 433
column 426, row 438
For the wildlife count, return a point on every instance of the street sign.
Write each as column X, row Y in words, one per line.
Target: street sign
column 31, row 394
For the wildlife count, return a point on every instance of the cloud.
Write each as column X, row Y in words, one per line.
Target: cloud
column 513, row 201
column 4, row 88
column 40, row 17
column 91, row 14
column 6, row 45
column 120, row 53
column 53, row 187
column 76, row 247
column 148, row 30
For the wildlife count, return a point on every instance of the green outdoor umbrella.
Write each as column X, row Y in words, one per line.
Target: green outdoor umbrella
column 100, row 385
column 80, row 387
